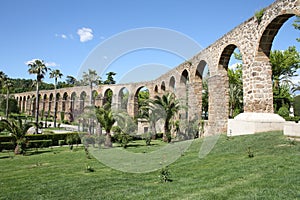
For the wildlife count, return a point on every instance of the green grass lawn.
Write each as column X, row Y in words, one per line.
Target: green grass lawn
column 226, row 173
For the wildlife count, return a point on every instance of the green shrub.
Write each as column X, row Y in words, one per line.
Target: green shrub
column 294, row 119
column 6, row 146
column 259, row 15
column 147, row 137
column 61, row 142
column 123, row 139
column 165, row 175
column 284, row 112
column 39, row 143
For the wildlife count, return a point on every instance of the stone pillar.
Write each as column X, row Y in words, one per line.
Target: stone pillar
column 258, row 102
column 114, row 101
column 257, row 84
column 195, row 100
column 132, row 105
column 218, row 105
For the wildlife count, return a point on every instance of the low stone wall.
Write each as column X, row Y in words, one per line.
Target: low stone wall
column 250, row 123
column 291, row 129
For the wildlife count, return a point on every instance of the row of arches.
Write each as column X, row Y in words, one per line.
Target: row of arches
column 253, row 39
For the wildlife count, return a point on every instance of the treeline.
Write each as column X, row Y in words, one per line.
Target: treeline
column 26, row 85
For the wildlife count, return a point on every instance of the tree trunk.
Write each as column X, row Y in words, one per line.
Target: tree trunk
column 37, row 108
column 17, row 150
column 108, row 142
column 55, row 103
column 7, row 99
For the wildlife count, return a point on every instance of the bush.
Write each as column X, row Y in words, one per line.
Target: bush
column 293, row 119
column 37, row 139
column 123, row 139
column 284, row 112
column 147, row 137
column 12, row 106
column 39, row 143
column 6, row 146
column 165, row 175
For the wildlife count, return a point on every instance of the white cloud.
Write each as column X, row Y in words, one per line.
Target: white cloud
column 234, row 66
column 48, row 64
column 85, row 34
column 51, row 64
column 63, row 36
column 31, row 61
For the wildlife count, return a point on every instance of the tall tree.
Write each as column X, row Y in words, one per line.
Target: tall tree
column 71, row 81
column 7, row 84
column 3, row 77
column 296, row 25
column 106, row 119
column 205, row 98
column 56, row 74
column 110, row 78
column 284, row 66
column 169, row 106
column 235, row 91
column 39, row 68
column 91, row 78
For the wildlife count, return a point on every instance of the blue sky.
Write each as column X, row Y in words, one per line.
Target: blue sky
column 64, row 32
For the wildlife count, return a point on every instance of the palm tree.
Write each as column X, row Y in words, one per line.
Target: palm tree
column 3, row 77
column 39, row 68
column 169, row 106
column 106, row 119
column 7, row 84
column 91, row 78
column 56, row 74
column 18, row 131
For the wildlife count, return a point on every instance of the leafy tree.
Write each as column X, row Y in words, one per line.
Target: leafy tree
column 7, row 85
column 126, row 127
column 38, row 68
column 71, row 81
column 204, row 97
column 235, row 91
column 106, row 119
column 91, row 78
column 284, row 66
column 297, row 105
column 143, row 97
column 56, row 74
column 296, row 25
column 110, row 78
column 18, row 131
column 169, row 106
column 12, row 106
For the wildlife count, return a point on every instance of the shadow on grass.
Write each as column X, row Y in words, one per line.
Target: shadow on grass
column 4, row 157
column 36, row 152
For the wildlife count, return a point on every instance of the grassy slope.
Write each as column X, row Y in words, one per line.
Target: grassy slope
column 226, row 173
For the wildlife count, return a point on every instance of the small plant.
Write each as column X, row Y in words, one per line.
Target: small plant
column 89, row 169
column 87, row 154
column 292, row 142
column 259, row 14
column 250, row 153
column 147, row 137
column 165, row 175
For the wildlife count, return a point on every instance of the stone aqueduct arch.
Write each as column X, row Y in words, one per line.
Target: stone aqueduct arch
column 252, row 38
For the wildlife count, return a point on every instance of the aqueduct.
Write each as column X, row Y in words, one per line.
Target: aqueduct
column 254, row 40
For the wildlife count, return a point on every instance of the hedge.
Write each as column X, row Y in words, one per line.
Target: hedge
column 42, row 140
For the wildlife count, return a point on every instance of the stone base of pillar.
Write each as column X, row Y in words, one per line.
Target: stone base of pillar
column 292, row 129
column 250, row 123
column 215, row 127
